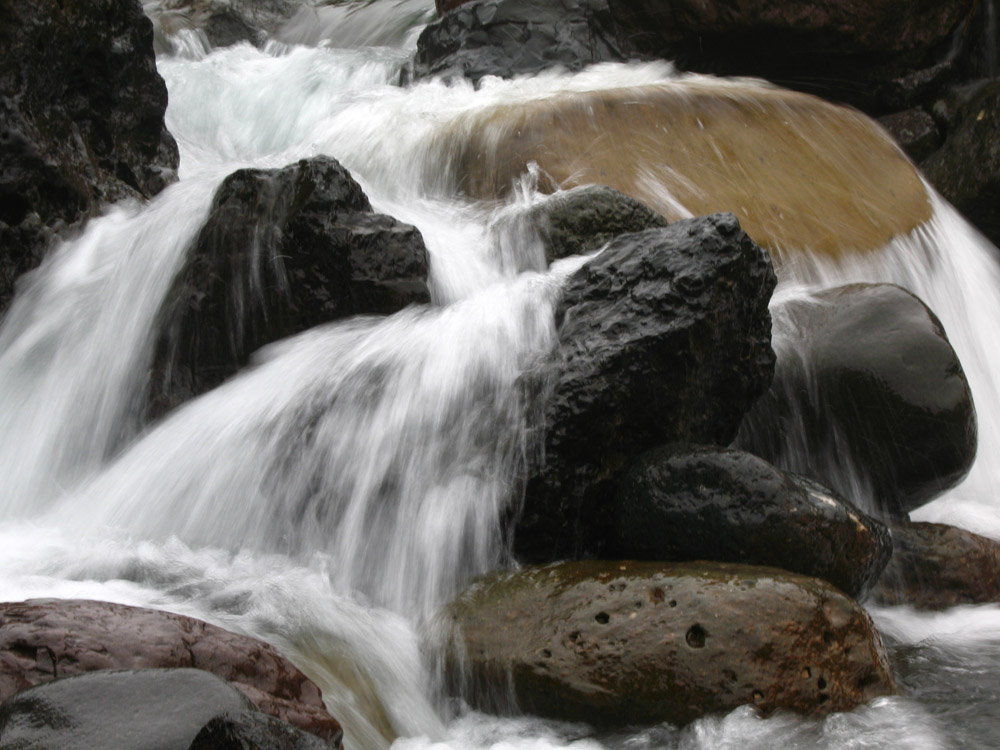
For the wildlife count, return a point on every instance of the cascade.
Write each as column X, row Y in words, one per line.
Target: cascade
column 335, row 494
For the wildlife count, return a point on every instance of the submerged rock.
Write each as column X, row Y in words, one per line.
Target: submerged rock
column 223, row 22
column 966, row 170
column 935, row 566
column 664, row 336
column 81, row 121
column 706, row 503
column 614, row 643
column 45, row 639
column 282, row 250
column 704, row 146
column 868, row 393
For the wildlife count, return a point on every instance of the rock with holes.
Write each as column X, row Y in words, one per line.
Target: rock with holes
column 664, row 336
column 686, row 502
column 282, row 250
column 45, row 639
column 615, row 643
column 935, row 566
column 81, row 121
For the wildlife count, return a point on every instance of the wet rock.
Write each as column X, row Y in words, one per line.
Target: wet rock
column 706, row 503
column 966, row 170
column 149, row 709
column 914, row 130
column 868, row 394
column 250, row 730
column 223, row 22
column 700, row 147
column 45, row 639
column 517, row 37
column 935, row 566
column 664, row 336
column 842, row 51
column 614, row 643
column 282, row 250
column 81, row 121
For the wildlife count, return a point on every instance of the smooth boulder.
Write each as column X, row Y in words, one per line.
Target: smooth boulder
column 868, row 395
column 81, row 121
column 935, row 566
column 663, row 336
column 617, row 643
column 684, row 502
column 282, row 250
column 699, row 146
column 45, row 639
column 251, row 730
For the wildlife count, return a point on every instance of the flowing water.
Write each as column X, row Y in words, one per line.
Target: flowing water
column 330, row 498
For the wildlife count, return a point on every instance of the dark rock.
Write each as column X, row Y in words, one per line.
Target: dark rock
column 935, row 566
column 914, row 130
column 148, row 709
column 845, row 50
column 81, row 121
column 224, row 22
column 517, row 37
column 966, row 170
column 614, row 643
column 282, row 250
column 705, row 503
column 664, row 336
column 45, row 639
column 868, row 394
column 250, row 730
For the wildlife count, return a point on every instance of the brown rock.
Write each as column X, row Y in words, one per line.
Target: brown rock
column 935, row 566
column 630, row 642
column 44, row 639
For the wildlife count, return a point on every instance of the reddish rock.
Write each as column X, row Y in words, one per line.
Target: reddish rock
column 42, row 639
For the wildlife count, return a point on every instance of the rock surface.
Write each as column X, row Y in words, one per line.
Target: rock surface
column 682, row 502
column 935, row 566
column 869, row 393
column 223, row 22
column 282, row 250
column 701, row 147
column 149, row 709
column 966, row 170
column 914, row 130
column 614, row 643
column 250, row 730
column 664, row 336
column 45, row 639
column 81, row 121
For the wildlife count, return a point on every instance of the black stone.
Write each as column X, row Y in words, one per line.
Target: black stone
column 251, row 730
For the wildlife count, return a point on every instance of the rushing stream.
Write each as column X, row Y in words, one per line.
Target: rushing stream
column 333, row 496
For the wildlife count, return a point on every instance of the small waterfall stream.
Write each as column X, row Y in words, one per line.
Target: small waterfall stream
column 330, row 498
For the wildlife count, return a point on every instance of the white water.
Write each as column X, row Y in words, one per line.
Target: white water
column 333, row 496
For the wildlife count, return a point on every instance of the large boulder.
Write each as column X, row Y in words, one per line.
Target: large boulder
column 966, row 170
column 282, row 250
column 81, row 121
column 614, row 643
column 868, row 396
column 935, row 566
column 707, row 503
column 516, row 37
column 664, row 336
column 45, row 639
column 700, row 146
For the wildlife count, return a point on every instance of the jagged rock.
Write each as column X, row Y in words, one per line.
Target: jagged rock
column 935, row 566
column 966, row 170
column 914, row 130
column 251, row 730
column 516, row 37
column 868, row 393
column 702, row 146
column 686, row 502
column 614, row 643
column 282, row 250
column 664, row 336
column 45, row 639
column 148, row 709
column 81, row 121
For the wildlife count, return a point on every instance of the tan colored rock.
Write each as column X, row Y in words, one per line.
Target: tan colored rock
column 638, row 642
column 798, row 172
